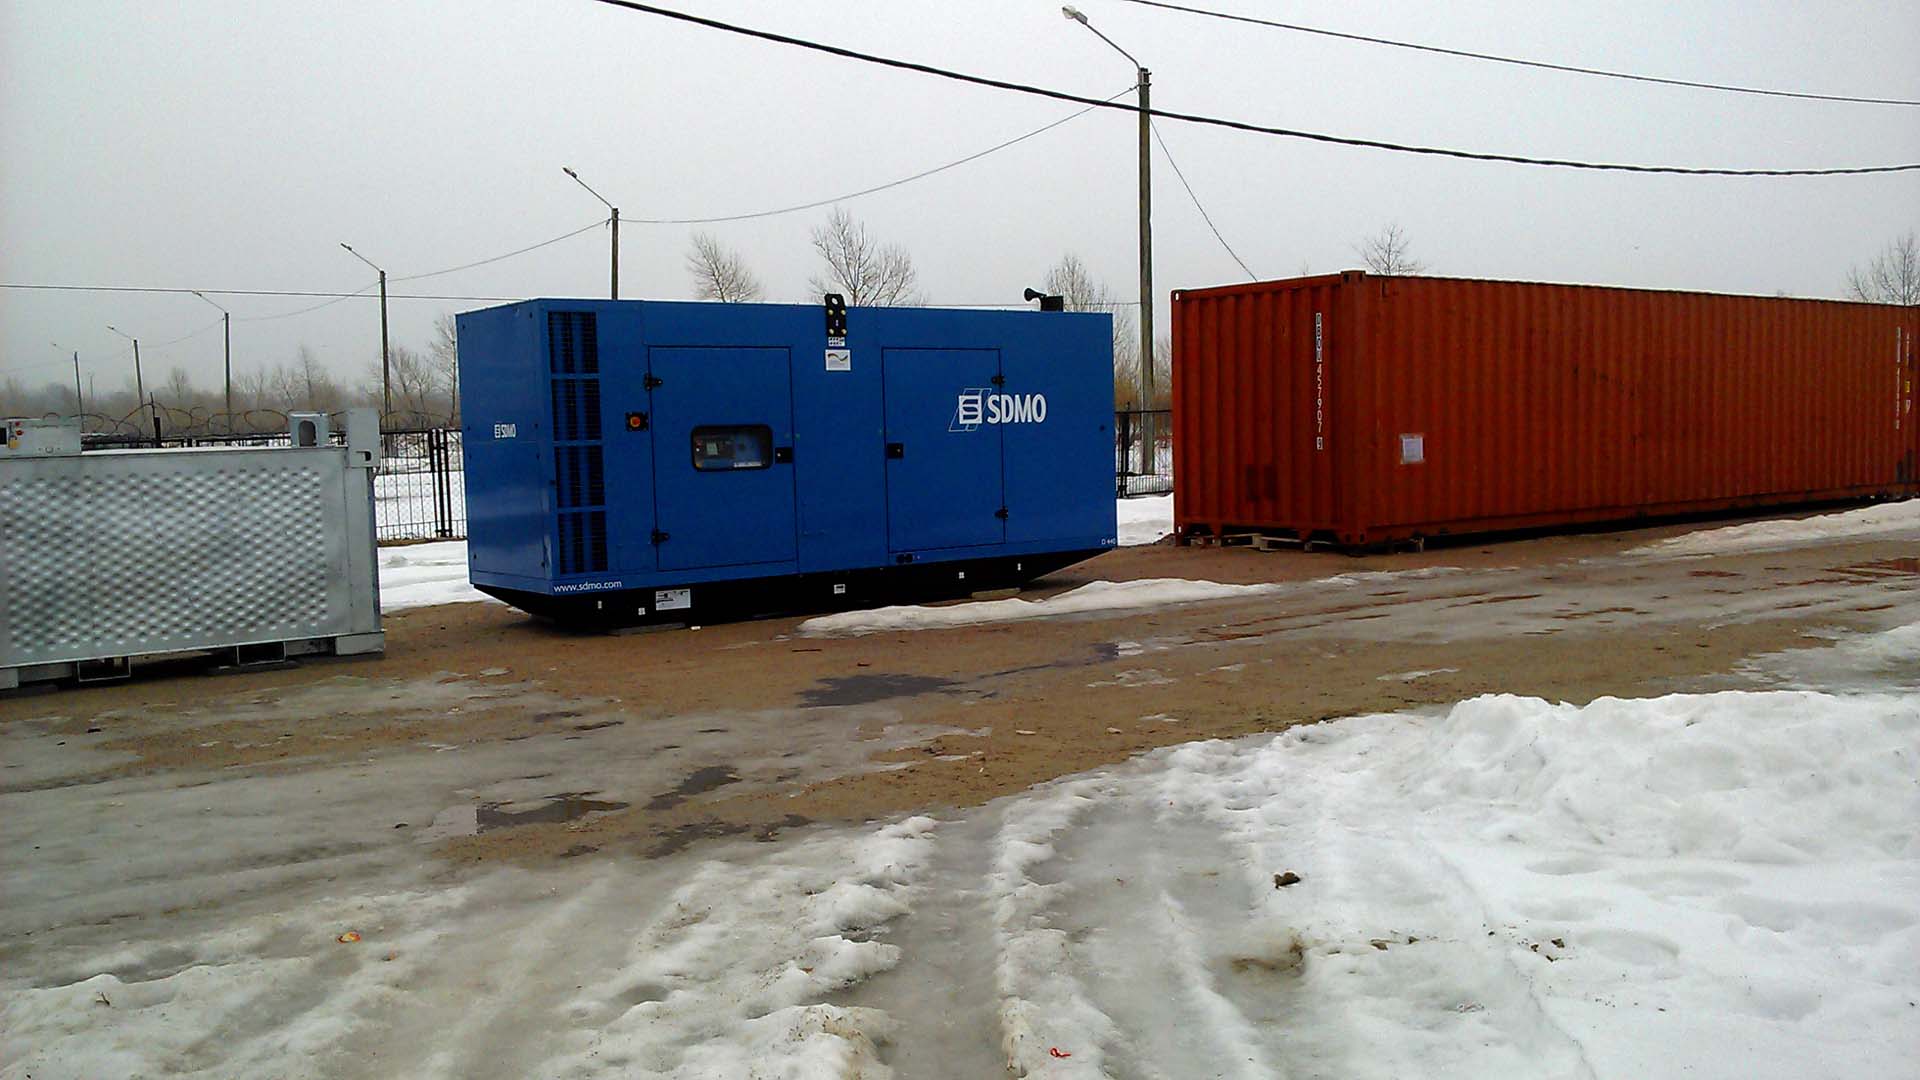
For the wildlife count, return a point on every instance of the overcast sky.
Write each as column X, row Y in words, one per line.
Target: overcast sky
column 233, row 144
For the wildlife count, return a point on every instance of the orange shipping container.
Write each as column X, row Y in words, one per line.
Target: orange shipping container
column 1360, row 409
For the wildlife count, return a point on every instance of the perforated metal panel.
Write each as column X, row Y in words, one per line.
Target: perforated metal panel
column 126, row 553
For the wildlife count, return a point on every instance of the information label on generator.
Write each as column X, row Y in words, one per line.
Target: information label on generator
column 839, row 360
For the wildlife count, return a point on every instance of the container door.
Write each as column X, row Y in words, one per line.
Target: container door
column 943, row 449
column 722, row 422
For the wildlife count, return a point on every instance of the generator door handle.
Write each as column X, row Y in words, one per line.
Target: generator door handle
column 896, row 451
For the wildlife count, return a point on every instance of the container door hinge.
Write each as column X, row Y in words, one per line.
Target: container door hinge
column 660, row 537
column 651, row 382
column 999, row 380
column 1001, row 513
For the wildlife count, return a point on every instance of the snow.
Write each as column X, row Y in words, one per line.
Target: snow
column 1145, row 519
column 417, row 575
column 1878, row 520
column 733, row 975
column 1723, row 885
column 1098, row 596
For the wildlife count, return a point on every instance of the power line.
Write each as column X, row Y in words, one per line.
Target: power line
column 878, row 187
column 362, row 291
column 508, row 255
column 1236, row 125
column 1204, row 216
column 1518, row 62
column 247, row 292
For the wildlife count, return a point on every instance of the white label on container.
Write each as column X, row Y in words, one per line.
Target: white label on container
column 672, row 599
column 1413, row 449
column 839, row 360
column 1319, row 386
column 505, row 431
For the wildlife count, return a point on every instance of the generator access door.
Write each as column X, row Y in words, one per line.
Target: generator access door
column 722, row 422
column 944, row 483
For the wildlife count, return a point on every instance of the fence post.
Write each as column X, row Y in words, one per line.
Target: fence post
column 437, row 465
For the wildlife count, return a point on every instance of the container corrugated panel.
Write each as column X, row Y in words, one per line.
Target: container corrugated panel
column 1362, row 409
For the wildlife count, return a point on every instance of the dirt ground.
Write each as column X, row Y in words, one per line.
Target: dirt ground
column 578, row 745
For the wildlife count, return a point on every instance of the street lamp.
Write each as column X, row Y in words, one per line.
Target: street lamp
column 386, row 367
column 1143, row 85
column 79, row 403
column 616, row 226
column 226, row 322
column 139, row 384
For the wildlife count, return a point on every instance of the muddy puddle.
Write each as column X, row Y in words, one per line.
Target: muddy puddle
column 868, row 689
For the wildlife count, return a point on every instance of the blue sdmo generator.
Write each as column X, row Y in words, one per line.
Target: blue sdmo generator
column 636, row 461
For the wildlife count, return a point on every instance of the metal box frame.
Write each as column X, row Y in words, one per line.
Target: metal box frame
column 637, row 460
column 1362, row 409
column 257, row 552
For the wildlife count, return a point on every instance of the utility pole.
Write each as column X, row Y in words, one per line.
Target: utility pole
column 1143, row 86
column 1146, row 254
column 226, row 323
column 616, row 226
column 139, row 383
column 386, row 365
column 79, row 403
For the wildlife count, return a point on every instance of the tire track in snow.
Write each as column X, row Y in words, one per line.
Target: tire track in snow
column 1401, row 970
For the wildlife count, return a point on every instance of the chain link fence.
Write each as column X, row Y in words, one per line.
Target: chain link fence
column 419, row 492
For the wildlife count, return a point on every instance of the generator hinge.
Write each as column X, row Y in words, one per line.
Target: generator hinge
column 999, row 380
column 1001, row 513
column 652, row 381
column 660, row 537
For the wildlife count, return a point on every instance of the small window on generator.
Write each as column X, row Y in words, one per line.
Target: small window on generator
column 724, row 449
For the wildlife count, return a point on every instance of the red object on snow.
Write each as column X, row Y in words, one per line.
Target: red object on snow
column 1057, row 1052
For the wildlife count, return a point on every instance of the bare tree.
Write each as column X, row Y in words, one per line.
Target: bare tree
column 719, row 273
column 1079, row 290
column 178, row 390
column 860, row 268
column 1893, row 277
column 1388, row 252
column 444, row 356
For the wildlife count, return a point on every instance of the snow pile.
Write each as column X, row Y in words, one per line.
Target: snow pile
column 1092, row 598
column 1889, row 659
column 417, row 575
column 1145, row 519
column 732, row 977
column 275, row 997
column 1095, row 596
column 1724, row 885
column 1884, row 518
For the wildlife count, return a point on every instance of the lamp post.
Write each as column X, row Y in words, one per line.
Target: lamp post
column 616, row 226
column 386, row 367
column 1143, row 85
column 226, row 323
column 79, row 402
column 139, row 383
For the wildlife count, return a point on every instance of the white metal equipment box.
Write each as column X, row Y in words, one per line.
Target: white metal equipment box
column 258, row 552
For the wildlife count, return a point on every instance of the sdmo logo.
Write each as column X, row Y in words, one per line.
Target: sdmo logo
column 977, row 406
